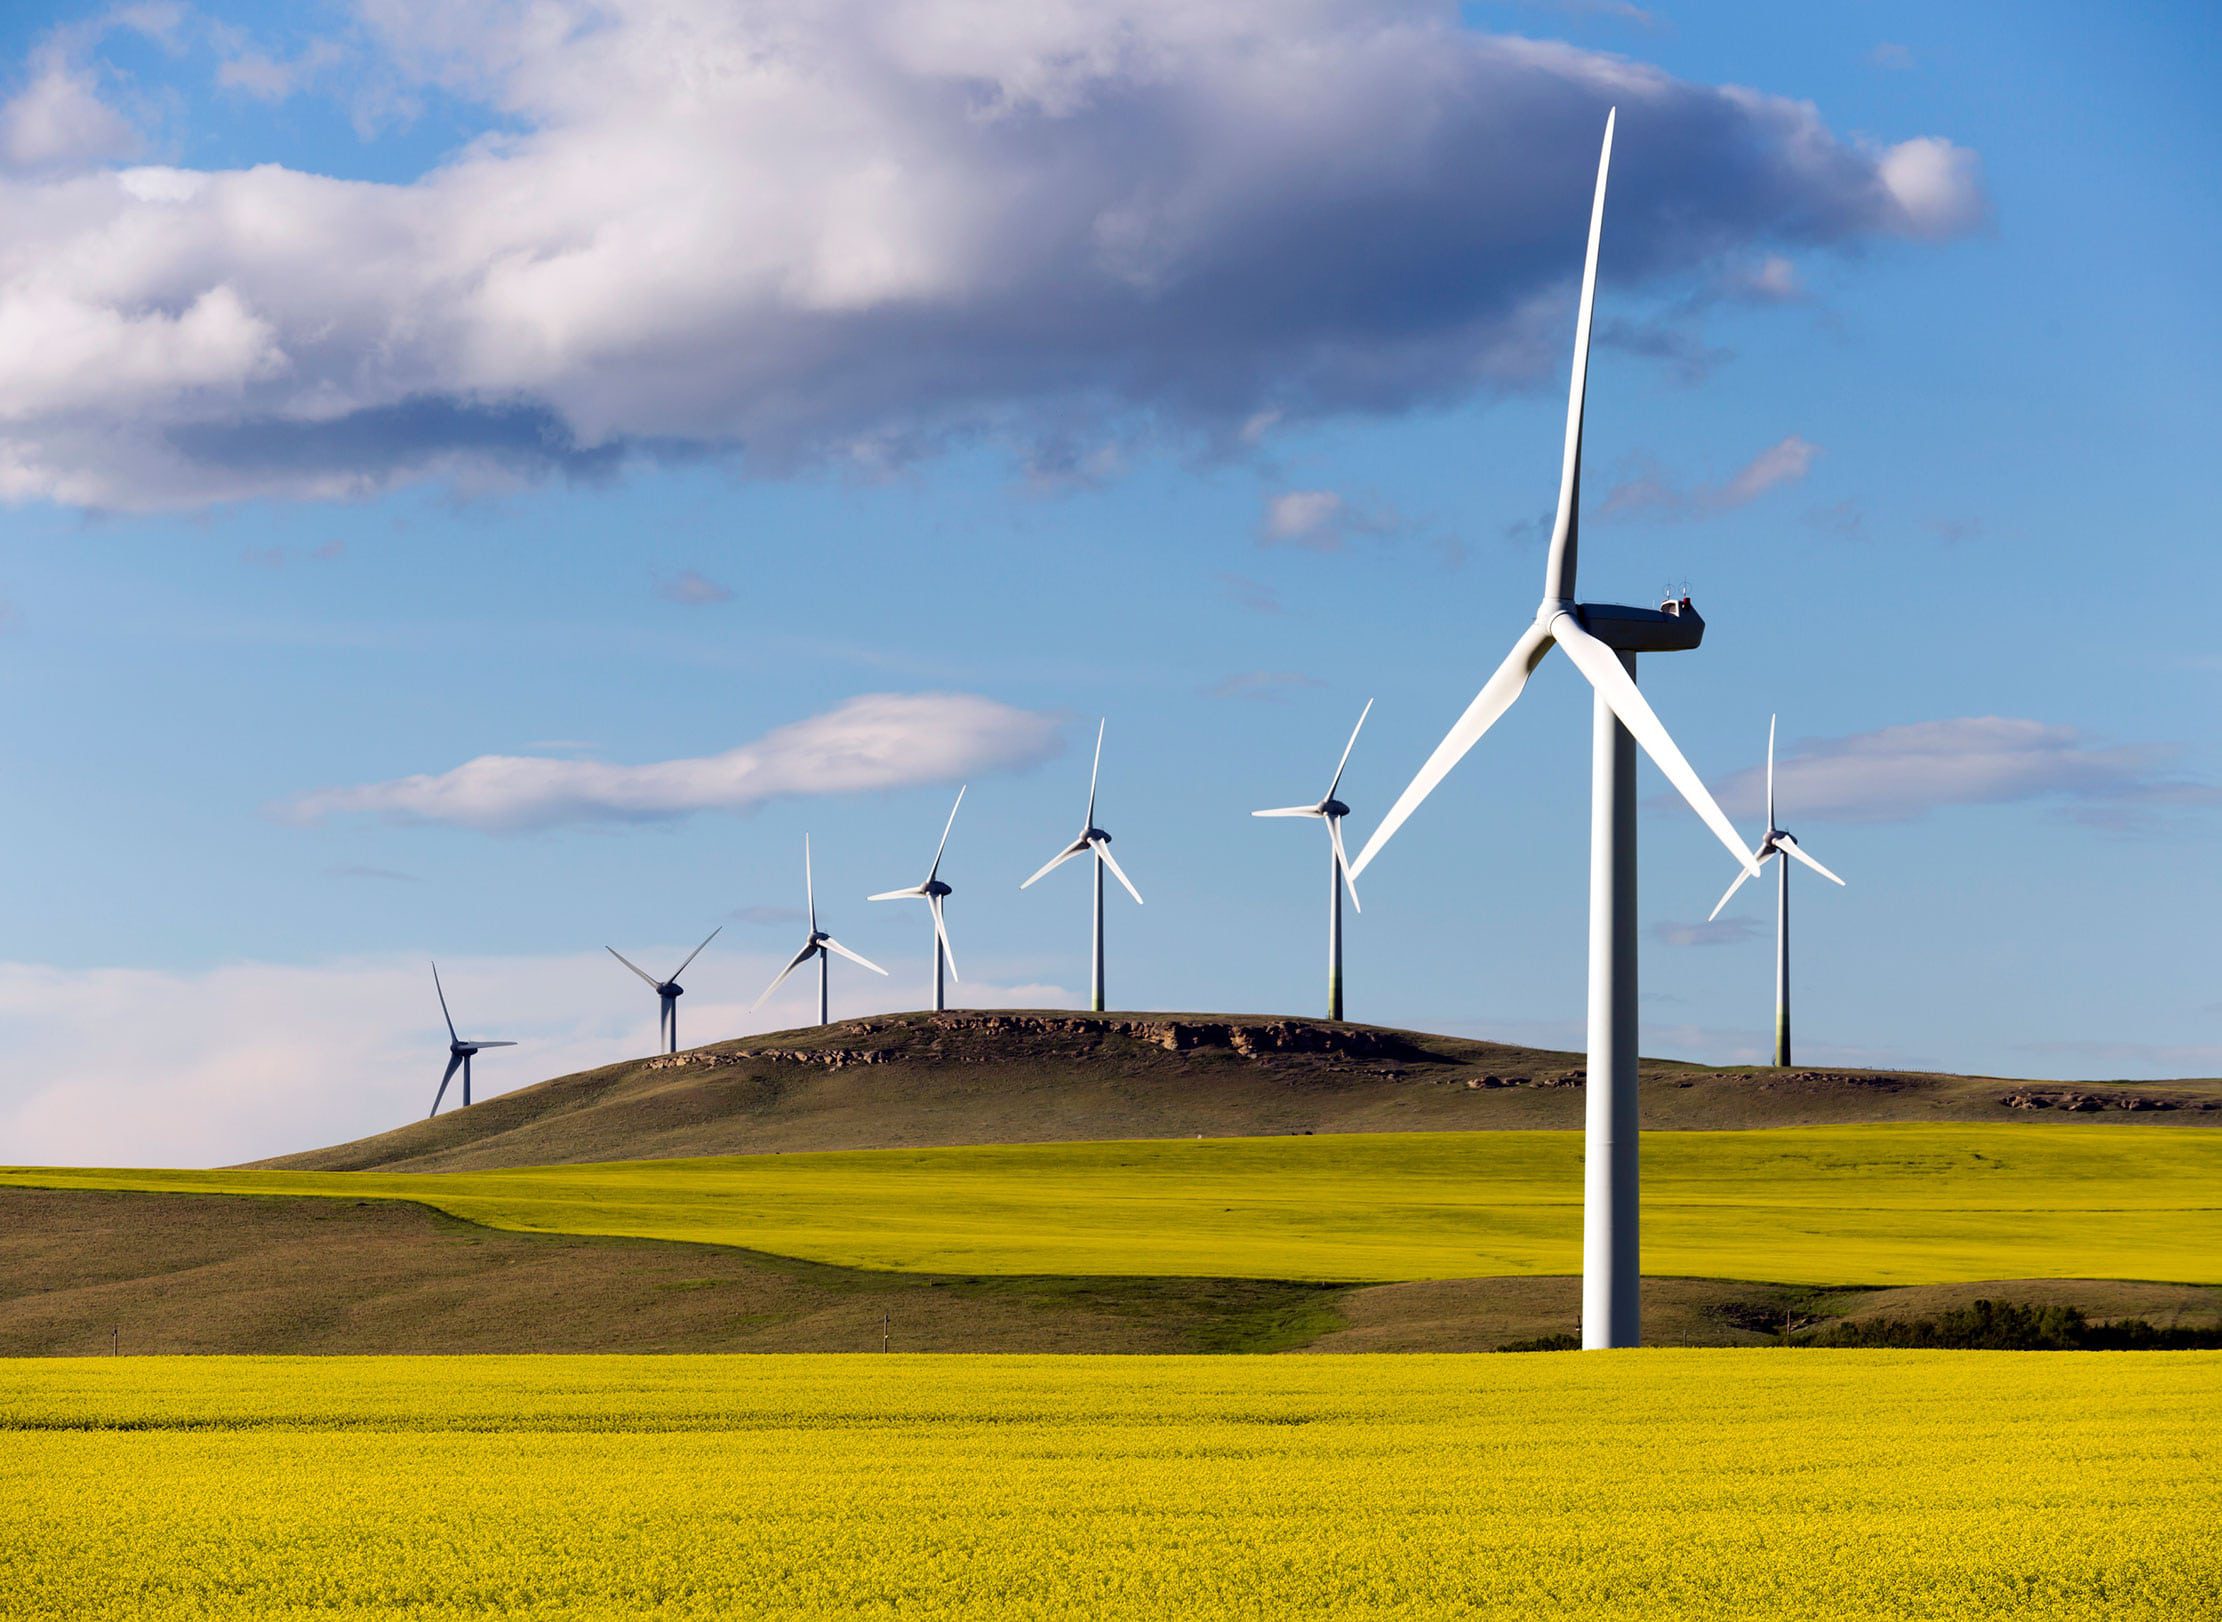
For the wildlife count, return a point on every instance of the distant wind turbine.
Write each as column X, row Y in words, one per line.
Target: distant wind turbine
column 1093, row 840
column 458, row 1051
column 1603, row 640
column 668, row 992
column 1777, row 844
column 1331, row 811
column 932, row 892
column 820, row 945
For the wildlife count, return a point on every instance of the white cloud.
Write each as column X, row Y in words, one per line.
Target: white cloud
column 1309, row 518
column 877, row 741
column 58, row 120
column 1264, row 686
column 1938, row 186
column 1651, row 494
column 850, row 231
column 148, row 1067
column 1898, row 773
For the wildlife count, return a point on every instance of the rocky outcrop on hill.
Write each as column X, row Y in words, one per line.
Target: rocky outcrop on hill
column 2080, row 1103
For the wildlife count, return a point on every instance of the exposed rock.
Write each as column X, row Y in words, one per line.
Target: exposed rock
column 2062, row 1098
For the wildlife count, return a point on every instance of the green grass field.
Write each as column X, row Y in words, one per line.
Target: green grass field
column 1676, row 1483
column 1895, row 1204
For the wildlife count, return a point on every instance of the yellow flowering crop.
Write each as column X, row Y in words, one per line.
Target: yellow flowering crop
column 1896, row 1204
column 1671, row 1483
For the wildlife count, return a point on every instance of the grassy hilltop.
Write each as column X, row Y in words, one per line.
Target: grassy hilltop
column 1042, row 1076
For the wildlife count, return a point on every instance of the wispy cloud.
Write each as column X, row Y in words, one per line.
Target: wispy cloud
column 695, row 590
column 1263, row 686
column 1890, row 55
column 1322, row 520
column 363, row 870
column 878, row 741
column 1720, row 932
column 1255, row 595
column 1898, row 773
column 1651, row 494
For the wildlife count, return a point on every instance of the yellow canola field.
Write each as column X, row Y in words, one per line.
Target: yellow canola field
column 1673, row 1483
column 1898, row 1204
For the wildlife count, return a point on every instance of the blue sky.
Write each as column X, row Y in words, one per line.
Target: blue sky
column 1905, row 367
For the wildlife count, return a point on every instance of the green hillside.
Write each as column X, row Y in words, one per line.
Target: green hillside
column 1817, row 1205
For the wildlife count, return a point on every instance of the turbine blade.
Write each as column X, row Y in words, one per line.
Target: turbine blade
column 833, row 945
column 454, row 1063
column 1342, row 860
column 1346, row 748
column 914, row 893
column 1103, row 853
column 1291, row 811
column 635, row 967
column 1770, row 772
column 1618, row 689
column 809, row 886
column 1742, row 873
column 1558, row 575
column 1493, row 700
column 934, row 871
column 691, row 956
column 1058, row 860
column 1785, row 842
column 493, row 1044
column 793, row 963
column 941, row 928
column 444, row 1014
column 1095, row 771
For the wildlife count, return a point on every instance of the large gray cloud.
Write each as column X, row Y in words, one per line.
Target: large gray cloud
column 851, row 229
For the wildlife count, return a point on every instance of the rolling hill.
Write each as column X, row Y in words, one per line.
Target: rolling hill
column 1045, row 1076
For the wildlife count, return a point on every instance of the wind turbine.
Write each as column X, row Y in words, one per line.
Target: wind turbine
column 1777, row 844
column 1602, row 640
column 458, row 1051
column 668, row 992
column 1093, row 839
column 931, row 892
column 1331, row 811
column 820, row 945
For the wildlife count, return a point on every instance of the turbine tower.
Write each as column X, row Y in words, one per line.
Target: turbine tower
column 458, row 1051
column 820, row 945
column 1331, row 811
column 1603, row 640
column 932, row 893
column 1095, row 840
column 668, row 992
column 1777, row 844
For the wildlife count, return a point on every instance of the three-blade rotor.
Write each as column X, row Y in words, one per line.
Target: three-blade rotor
column 819, row 942
column 458, row 1050
column 1331, row 811
column 1562, row 622
column 1092, row 839
column 1778, row 842
column 933, row 891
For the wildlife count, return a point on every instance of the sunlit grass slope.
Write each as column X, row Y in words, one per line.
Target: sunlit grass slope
column 1685, row 1484
column 1826, row 1205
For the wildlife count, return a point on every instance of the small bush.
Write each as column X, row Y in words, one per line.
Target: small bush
column 2007, row 1326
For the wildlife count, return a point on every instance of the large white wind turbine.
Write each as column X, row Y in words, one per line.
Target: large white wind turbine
column 668, row 992
column 1777, row 844
column 1093, row 840
column 932, row 893
column 1603, row 640
column 1331, row 811
column 820, row 945
column 458, row 1051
